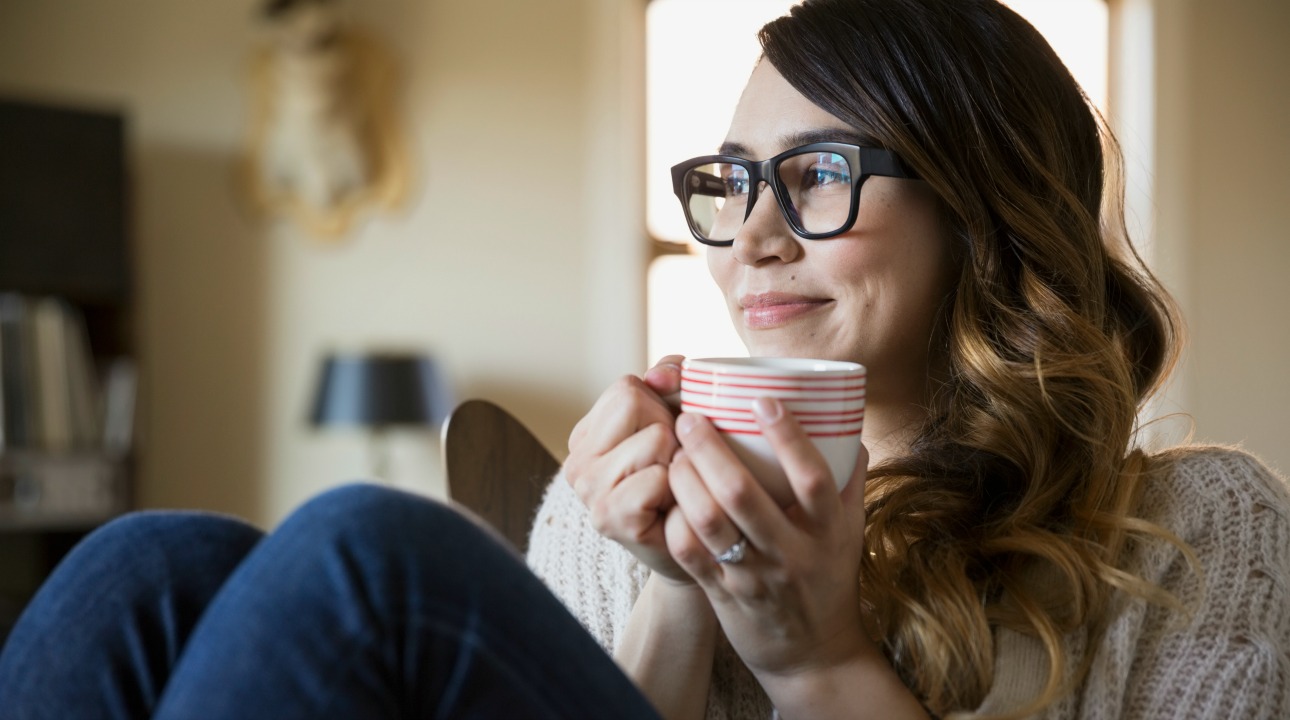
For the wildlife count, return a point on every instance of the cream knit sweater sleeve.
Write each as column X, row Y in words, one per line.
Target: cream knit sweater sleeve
column 595, row 578
column 1231, row 658
column 599, row 582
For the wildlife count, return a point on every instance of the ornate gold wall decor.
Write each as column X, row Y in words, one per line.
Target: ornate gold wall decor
column 325, row 141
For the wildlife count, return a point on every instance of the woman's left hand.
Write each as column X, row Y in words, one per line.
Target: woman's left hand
column 792, row 604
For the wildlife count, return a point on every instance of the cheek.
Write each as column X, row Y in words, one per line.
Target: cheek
column 895, row 279
column 853, row 266
column 720, row 268
column 920, row 257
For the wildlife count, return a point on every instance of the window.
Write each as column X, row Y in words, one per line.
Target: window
column 687, row 115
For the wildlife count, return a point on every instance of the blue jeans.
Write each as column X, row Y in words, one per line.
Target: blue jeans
column 367, row 602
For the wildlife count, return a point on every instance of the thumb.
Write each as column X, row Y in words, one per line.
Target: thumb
column 665, row 377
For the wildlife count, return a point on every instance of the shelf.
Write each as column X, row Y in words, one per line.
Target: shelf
column 60, row 492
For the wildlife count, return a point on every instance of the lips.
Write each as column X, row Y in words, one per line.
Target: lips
column 774, row 309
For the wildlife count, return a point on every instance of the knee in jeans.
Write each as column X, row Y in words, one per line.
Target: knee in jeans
column 144, row 551
column 377, row 513
column 176, row 534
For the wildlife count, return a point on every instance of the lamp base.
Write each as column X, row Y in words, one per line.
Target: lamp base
column 380, row 453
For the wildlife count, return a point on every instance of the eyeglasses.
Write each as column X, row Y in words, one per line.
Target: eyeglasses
column 817, row 187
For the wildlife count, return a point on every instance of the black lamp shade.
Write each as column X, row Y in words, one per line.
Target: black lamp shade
column 380, row 391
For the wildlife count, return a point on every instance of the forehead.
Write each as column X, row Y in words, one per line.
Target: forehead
column 772, row 116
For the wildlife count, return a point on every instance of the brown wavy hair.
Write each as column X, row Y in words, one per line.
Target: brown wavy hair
column 1052, row 337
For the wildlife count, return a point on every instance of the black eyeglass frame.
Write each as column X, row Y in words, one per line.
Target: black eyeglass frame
column 869, row 160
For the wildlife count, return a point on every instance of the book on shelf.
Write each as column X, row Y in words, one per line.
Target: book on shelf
column 120, row 390
column 85, row 399
column 51, row 397
column 14, row 373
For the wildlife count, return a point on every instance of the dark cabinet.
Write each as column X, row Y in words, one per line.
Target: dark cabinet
column 68, row 360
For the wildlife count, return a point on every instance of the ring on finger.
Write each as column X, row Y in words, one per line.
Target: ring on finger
column 734, row 554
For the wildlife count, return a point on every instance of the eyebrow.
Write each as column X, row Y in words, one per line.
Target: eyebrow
column 806, row 137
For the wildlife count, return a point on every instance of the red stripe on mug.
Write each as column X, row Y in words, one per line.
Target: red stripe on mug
column 848, row 433
column 814, row 418
column 851, row 385
column 808, row 398
column 793, row 377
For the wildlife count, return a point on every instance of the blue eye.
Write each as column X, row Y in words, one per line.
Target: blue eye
column 736, row 183
column 820, row 177
column 828, row 172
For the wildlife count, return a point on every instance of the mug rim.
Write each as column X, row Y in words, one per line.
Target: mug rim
column 776, row 366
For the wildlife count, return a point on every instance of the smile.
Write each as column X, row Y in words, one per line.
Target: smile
column 770, row 310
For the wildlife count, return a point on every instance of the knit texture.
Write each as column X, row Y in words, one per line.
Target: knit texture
column 599, row 581
column 1230, row 659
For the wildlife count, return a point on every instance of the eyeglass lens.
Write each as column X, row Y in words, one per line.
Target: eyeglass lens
column 816, row 189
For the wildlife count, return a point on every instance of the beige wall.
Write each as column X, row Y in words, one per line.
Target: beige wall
column 1222, row 213
column 234, row 313
column 538, row 304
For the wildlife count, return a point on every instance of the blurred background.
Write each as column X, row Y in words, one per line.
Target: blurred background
column 518, row 255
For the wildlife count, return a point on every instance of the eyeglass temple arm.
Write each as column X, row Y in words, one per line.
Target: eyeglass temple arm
column 702, row 183
column 876, row 161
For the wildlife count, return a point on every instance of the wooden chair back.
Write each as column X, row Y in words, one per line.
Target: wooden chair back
column 496, row 467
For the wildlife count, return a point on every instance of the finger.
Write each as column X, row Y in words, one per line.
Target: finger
column 621, row 411
column 607, row 408
column 708, row 522
column 690, row 553
column 579, row 433
column 730, row 483
column 665, row 379
column 653, row 445
column 634, row 509
column 808, row 472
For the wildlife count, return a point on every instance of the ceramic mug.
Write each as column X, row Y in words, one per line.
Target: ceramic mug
column 826, row 396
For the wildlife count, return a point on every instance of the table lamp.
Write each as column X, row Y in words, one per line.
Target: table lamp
column 379, row 391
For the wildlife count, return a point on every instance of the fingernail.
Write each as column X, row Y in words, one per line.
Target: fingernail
column 685, row 423
column 659, row 371
column 767, row 409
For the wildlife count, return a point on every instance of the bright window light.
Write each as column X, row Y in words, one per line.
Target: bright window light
column 1079, row 32
column 699, row 54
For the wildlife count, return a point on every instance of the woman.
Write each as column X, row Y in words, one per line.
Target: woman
column 1001, row 548
column 1018, row 556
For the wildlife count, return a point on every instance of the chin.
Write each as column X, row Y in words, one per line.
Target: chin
column 787, row 349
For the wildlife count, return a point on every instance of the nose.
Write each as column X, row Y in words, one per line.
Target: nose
column 765, row 236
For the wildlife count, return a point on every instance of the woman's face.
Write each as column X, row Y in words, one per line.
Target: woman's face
column 869, row 295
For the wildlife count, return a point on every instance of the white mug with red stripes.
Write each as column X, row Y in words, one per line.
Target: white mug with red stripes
column 826, row 396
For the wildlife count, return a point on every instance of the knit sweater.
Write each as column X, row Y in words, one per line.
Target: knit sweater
column 1231, row 659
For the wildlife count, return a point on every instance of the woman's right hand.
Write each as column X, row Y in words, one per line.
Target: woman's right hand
column 618, row 464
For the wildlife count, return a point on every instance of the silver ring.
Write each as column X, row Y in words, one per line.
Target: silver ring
column 733, row 554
